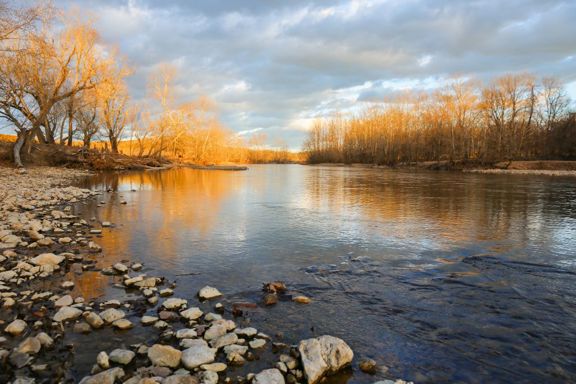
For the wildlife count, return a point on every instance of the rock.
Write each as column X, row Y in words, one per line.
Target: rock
column 222, row 341
column 275, row 287
column 235, row 348
column 368, row 366
column 192, row 313
column 185, row 333
column 122, row 324
column 323, row 355
column 93, row 319
column 214, row 367
column 248, row 332
column 7, row 275
column 136, row 266
column 164, row 356
column 102, row 360
column 215, row 331
column 208, row 293
column 209, row 377
column 111, row 315
column 30, row 346
column 257, row 343
column 67, row 313
column 16, row 327
column 67, row 285
column 19, row 360
column 64, row 301
column 47, row 259
column 121, row 356
column 269, row 376
column 174, row 303
column 107, row 377
column 148, row 320
column 106, row 224
column 166, row 292
column 45, row 340
column 121, row 268
column 82, row 327
column 45, row 242
column 181, row 379
column 270, row 299
column 64, row 240
column 301, row 299
column 197, row 354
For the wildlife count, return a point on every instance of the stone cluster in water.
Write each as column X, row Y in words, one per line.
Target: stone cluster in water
column 40, row 240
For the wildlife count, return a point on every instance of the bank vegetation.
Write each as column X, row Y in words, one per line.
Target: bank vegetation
column 512, row 117
column 64, row 93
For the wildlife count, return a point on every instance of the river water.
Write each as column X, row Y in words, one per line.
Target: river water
column 439, row 277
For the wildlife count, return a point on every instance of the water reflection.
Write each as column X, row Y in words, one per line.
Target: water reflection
column 442, row 277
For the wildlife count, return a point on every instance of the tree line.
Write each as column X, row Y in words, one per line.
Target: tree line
column 61, row 84
column 512, row 117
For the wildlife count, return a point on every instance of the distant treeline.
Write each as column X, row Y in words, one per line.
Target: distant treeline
column 514, row 117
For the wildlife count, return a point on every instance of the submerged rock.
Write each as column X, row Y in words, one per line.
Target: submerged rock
column 323, row 356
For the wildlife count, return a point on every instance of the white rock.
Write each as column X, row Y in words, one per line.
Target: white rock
column 67, row 313
column 174, row 303
column 192, row 313
column 198, row 354
column 47, row 259
column 324, row 355
column 16, row 327
column 269, row 376
column 208, row 293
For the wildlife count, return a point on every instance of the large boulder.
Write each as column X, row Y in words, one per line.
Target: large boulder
column 323, row 356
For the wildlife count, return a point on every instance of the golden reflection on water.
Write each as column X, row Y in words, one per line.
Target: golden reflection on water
column 440, row 211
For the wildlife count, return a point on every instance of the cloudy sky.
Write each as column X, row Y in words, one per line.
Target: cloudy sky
column 273, row 66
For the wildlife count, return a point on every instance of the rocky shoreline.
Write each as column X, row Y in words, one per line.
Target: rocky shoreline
column 41, row 240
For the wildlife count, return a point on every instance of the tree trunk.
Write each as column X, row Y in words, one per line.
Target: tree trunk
column 18, row 148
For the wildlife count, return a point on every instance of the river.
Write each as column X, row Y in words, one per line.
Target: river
column 438, row 276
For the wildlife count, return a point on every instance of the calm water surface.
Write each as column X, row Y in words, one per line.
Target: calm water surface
column 441, row 277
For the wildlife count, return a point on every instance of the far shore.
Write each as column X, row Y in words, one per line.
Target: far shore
column 532, row 167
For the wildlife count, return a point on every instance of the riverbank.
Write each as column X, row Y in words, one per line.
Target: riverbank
column 536, row 167
column 45, row 246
